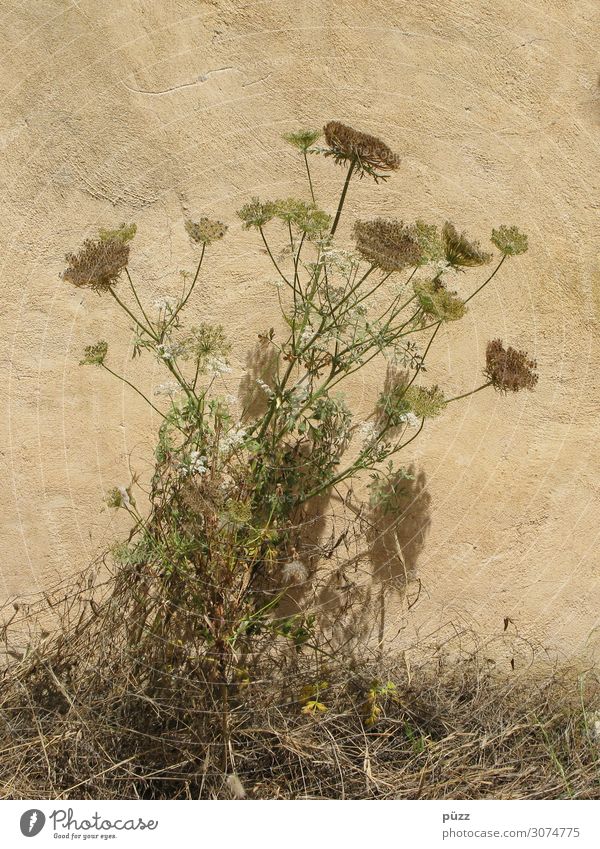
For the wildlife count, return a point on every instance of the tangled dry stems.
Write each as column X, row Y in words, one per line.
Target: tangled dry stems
column 94, row 712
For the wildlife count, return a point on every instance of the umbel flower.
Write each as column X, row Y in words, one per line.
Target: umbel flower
column 205, row 231
column 302, row 139
column 460, row 252
column 368, row 154
column 426, row 403
column 509, row 240
column 305, row 216
column 98, row 264
column 509, row 370
column 437, row 302
column 256, row 213
column 94, row 355
column 388, row 244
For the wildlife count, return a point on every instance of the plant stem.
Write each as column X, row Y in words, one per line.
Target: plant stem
column 132, row 316
column 312, row 194
column 137, row 299
column 342, row 199
column 486, row 281
column 135, row 389
column 472, row 392
column 185, row 300
column 274, row 261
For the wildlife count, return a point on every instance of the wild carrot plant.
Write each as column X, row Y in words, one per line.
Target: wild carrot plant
column 222, row 543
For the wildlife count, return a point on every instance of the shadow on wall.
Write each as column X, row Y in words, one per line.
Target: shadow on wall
column 371, row 577
column 397, row 537
column 359, row 561
column 261, row 367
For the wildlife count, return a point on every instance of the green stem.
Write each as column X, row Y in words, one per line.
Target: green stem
column 312, row 194
column 185, row 300
column 274, row 261
column 138, row 300
column 135, row 389
column 132, row 316
column 472, row 392
column 342, row 199
column 486, row 281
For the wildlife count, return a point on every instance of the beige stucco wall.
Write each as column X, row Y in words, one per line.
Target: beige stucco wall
column 150, row 111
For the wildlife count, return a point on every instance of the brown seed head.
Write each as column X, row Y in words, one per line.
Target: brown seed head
column 98, row 264
column 508, row 369
column 205, row 230
column 387, row 244
column 368, row 153
column 460, row 251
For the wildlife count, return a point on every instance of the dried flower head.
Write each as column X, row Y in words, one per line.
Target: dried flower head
column 387, row 244
column 294, row 572
column 460, row 252
column 98, row 264
column 205, row 230
column 256, row 213
column 437, row 302
column 509, row 370
column 235, row 786
column 302, row 139
column 368, row 154
column 509, row 240
column 94, row 355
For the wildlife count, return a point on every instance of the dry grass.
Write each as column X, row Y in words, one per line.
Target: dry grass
column 89, row 713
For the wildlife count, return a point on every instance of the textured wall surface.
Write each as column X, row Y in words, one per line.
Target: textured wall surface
column 152, row 111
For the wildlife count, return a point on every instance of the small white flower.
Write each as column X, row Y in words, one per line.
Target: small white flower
column 411, row 420
column 368, row 431
column 165, row 304
column 217, row 366
column 233, row 439
column 170, row 350
column 294, row 572
column 170, row 387
column 442, row 266
column 307, row 334
column 231, row 399
column 126, row 501
column 194, row 464
column 265, row 388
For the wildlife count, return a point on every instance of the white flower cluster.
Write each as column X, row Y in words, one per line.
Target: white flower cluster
column 125, row 500
column 410, row 419
column 170, row 388
column 217, row 366
column 232, row 440
column 307, row 334
column 194, row 464
column 442, row 266
column 344, row 261
column 170, row 350
column 265, row 388
column 368, row 431
column 166, row 304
